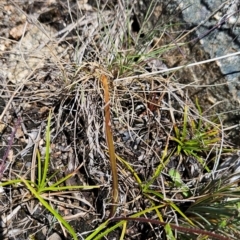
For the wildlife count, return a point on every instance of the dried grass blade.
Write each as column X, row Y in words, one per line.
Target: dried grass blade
column 110, row 144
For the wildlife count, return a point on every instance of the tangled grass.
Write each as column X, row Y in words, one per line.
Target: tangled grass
column 164, row 172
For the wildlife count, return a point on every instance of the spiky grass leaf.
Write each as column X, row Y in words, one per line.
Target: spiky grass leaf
column 50, row 209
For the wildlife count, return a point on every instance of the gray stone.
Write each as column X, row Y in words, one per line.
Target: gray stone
column 222, row 40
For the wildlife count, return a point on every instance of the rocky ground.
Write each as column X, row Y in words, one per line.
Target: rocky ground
column 52, row 54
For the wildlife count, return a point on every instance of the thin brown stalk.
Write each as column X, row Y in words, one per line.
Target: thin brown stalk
column 173, row 226
column 110, row 145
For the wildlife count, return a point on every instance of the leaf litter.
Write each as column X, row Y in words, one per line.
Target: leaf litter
column 60, row 72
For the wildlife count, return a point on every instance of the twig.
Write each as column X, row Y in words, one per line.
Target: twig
column 218, row 25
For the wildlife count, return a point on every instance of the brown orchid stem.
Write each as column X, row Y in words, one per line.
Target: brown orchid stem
column 173, row 226
column 110, row 145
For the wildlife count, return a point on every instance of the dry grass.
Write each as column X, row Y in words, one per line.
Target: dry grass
column 148, row 114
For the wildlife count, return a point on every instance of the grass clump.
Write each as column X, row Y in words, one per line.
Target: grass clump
column 147, row 157
column 195, row 137
column 43, row 189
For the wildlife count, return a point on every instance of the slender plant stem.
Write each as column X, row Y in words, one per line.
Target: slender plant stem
column 110, row 144
column 173, row 226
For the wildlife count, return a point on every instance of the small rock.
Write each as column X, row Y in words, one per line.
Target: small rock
column 17, row 32
column 54, row 236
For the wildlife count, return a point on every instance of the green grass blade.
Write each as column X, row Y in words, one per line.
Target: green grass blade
column 176, row 140
column 159, row 195
column 97, row 230
column 177, row 132
column 107, row 231
column 55, row 185
column 15, row 181
column 39, row 169
column 47, row 154
column 50, row 209
column 54, row 189
column 201, row 161
column 169, row 232
column 159, row 169
column 124, row 229
column 128, row 166
column 201, row 217
column 180, row 212
column 200, row 113
column 185, row 121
